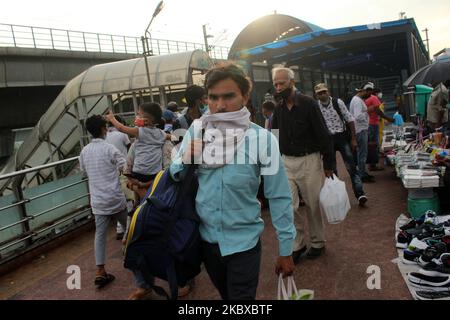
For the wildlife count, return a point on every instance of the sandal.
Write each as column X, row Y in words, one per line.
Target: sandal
column 101, row 281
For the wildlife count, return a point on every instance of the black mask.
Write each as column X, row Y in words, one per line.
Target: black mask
column 283, row 95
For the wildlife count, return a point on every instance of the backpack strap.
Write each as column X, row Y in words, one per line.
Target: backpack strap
column 336, row 107
column 136, row 213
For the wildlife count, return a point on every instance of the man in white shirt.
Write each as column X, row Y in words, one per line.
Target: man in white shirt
column 102, row 162
column 358, row 109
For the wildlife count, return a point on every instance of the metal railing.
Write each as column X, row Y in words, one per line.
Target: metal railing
column 58, row 39
column 27, row 232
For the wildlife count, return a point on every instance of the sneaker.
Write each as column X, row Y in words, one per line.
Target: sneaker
column 410, row 257
column 434, row 281
column 362, row 200
column 432, row 252
column 315, row 252
column 296, row 255
column 433, row 295
column 434, row 269
column 403, row 239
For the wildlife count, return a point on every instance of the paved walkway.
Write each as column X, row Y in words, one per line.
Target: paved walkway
column 365, row 238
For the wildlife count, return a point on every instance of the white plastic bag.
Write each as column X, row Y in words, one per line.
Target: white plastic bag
column 291, row 293
column 334, row 200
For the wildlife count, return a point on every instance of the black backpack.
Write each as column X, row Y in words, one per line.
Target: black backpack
column 163, row 239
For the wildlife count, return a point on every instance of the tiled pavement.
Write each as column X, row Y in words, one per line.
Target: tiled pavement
column 365, row 238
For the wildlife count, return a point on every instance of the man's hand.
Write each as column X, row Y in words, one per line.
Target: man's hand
column 354, row 143
column 285, row 265
column 109, row 116
column 329, row 173
column 193, row 151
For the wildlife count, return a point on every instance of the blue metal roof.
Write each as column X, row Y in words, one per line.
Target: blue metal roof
column 331, row 32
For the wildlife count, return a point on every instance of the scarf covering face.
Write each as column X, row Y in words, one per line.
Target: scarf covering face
column 224, row 134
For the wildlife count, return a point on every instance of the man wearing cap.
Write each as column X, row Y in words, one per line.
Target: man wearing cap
column 303, row 137
column 341, row 125
column 373, row 107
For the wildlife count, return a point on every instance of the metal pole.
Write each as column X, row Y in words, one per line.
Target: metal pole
column 205, row 37
column 34, row 40
column 428, row 43
column 14, row 37
column 146, row 68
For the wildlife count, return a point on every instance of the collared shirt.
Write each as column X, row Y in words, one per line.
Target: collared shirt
column 302, row 130
column 359, row 111
column 332, row 119
column 226, row 200
column 101, row 162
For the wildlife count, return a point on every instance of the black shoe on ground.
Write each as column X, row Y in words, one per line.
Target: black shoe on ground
column 296, row 255
column 362, row 200
column 119, row 236
column 315, row 252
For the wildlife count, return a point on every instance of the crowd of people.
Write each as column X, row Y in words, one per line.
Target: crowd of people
column 303, row 134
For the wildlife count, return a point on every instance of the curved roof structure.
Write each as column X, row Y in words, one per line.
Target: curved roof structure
column 268, row 29
column 59, row 126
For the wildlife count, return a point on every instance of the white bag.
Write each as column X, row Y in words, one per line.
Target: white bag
column 334, row 201
column 292, row 293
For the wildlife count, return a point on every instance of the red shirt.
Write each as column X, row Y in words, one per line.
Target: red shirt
column 374, row 118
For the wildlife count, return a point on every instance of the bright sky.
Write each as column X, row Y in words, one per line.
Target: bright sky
column 183, row 19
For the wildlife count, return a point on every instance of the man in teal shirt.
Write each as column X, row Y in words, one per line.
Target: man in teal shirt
column 232, row 155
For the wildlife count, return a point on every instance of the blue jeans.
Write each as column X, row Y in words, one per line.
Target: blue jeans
column 341, row 144
column 374, row 133
column 362, row 141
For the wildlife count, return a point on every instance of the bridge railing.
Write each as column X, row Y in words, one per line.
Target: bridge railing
column 58, row 39
column 32, row 216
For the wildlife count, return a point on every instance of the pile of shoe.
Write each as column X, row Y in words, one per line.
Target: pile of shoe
column 426, row 243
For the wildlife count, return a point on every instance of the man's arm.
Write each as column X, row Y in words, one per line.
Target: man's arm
column 82, row 167
column 131, row 131
column 277, row 191
column 118, row 159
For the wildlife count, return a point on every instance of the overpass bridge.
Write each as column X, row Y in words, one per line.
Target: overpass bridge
column 36, row 63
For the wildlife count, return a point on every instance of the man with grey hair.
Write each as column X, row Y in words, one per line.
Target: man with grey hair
column 304, row 137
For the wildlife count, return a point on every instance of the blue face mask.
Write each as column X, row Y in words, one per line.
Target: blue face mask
column 204, row 108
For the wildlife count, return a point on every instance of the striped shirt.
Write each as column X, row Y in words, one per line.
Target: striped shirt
column 101, row 162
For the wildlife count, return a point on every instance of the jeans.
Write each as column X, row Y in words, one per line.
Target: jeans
column 362, row 141
column 374, row 137
column 341, row 144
